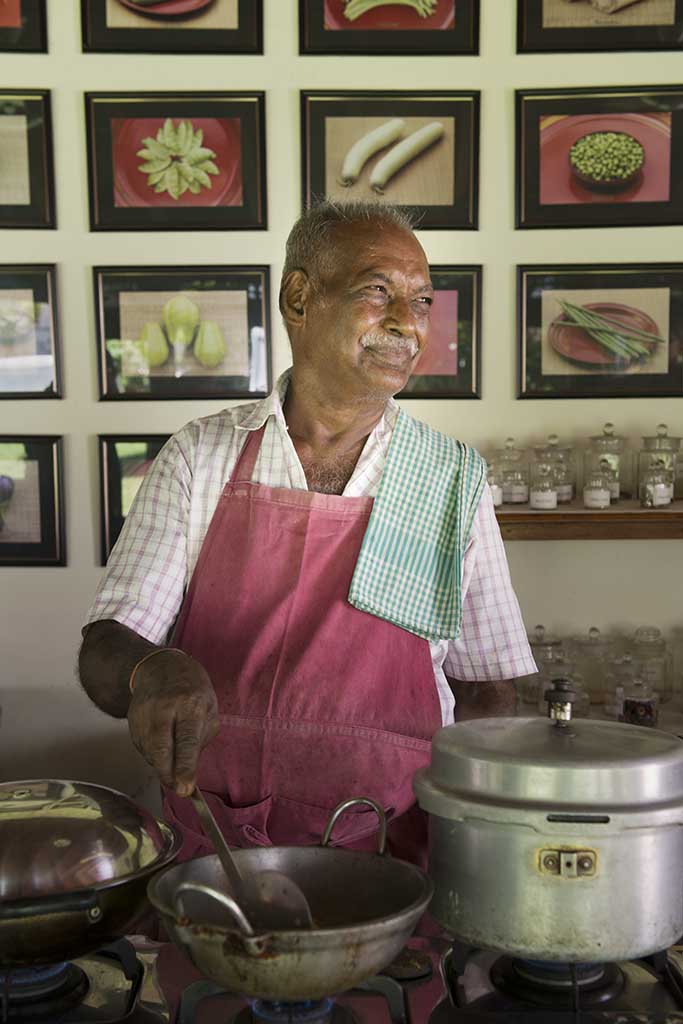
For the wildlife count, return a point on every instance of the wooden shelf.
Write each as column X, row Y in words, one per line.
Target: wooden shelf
column 623, row 521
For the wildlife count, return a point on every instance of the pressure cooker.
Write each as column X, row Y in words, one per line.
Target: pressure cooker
column 556, row 839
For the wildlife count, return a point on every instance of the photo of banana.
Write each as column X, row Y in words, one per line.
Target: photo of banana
column 409, row 160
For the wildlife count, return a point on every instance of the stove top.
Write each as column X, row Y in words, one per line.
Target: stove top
column 138, row 982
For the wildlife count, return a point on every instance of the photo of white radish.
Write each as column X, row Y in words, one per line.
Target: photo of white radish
column 403, row 153
column 367, row 146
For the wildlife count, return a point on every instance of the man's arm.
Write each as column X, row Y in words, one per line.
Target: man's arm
column 483, row 699
column 108, row 655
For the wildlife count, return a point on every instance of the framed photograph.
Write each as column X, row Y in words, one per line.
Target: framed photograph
column 369, row 27
column 31, row 500
column 449, row 366
column 414, row 149
column 558, row 26
column 605, row 157
column 124, row 462
column 30, row 365
column 23, row 26
column 600, row 331
column 183, row 332
column 172, row 26
column 26, row 170
column 176, row 161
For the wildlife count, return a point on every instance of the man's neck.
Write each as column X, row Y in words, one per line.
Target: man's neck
column 326, row 421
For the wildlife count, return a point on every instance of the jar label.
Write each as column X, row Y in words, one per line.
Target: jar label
column 543, row 499
column 596, row 497
column 514, row 494
column 565, row 492
column 496, row 494
column 662, row 494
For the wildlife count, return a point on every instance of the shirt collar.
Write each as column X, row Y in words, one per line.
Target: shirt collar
column 273, row 406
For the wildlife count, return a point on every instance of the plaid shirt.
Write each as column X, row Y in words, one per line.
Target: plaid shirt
column 152, row 563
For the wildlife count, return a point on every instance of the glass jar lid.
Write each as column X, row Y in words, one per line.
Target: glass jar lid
column 509, row 453
column 650, row 637
column 608, row 441
column 553, row 450
column 540, row 638
column 662, row 440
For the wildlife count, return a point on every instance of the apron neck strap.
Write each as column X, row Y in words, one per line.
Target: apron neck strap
column 244, row 467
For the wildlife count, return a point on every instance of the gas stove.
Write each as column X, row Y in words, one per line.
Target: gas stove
column 138, row 982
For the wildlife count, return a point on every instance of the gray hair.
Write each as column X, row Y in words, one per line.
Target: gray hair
column 309, row 242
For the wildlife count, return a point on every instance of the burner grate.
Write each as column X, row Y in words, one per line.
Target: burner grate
column 29, row 993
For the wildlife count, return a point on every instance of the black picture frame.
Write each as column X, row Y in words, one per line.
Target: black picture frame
column 124, row 460
column 550, row 121
column 454, row 172
column 30, row 355
column 32, row 507
column 459, row 38
column 117, row 123
column 157, row 34
column 533, row 36
column 29, row 201
column 545, row 346
column 460, row 290
column 230, row 297
column 30, row 34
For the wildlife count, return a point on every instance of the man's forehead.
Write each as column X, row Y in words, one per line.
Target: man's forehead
column 366, row 247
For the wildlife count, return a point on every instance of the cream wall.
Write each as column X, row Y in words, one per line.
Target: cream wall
column 48, row 726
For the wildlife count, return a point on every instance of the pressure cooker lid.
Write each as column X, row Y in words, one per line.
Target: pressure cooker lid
column 58, row 836
column 591, row 763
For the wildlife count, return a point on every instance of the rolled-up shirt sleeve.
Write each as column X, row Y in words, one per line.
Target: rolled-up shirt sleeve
column 146, row 574
column 493, row 643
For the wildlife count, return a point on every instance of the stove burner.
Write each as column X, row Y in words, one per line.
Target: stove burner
column 34, row 993
column 317, row 1011
column 557, row 985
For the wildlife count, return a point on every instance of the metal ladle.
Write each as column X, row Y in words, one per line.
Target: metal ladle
column 271, row 901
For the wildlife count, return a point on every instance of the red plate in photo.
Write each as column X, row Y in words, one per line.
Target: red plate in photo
column 10, row 13
column 169, row 8
column 222, row 135
column 574, row 344
column 558, row 184
column 390, row 17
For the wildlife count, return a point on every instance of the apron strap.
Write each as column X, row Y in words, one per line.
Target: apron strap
column 243, row 470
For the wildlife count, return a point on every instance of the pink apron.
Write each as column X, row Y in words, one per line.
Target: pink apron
column 318, row 701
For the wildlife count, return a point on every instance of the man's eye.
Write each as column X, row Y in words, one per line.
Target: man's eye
column 425, row 300
column 378, row 288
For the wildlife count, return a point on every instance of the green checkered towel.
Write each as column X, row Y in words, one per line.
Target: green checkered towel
column 409, row 569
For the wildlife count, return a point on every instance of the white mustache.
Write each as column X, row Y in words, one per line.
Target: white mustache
column 380, row 341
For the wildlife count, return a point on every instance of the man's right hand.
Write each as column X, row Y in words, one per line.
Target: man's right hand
column 173, row 714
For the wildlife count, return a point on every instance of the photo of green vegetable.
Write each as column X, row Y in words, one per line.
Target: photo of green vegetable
column 19, row 496
column 176, row 160
column 355, row 8
column 29, row 345
column 125, row 460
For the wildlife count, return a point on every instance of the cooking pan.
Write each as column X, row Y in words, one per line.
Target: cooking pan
column 75, row 860
column 364, row 907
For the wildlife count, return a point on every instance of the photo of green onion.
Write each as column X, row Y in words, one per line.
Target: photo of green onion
column 624, row 342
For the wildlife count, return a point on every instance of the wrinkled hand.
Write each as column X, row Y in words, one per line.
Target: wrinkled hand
column 173, row 714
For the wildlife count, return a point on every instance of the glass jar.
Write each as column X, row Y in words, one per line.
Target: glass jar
column 597, row 489
column 591, row 653
column 562, row 668
column 495, row 482
column 543, row 491
column 612, row 448
column 656, row 486
column 514, row 469
column 621, row 670
column 661, row 452
column 652, row 660
column 641, row 704
column 561, row 458
column 544, row 648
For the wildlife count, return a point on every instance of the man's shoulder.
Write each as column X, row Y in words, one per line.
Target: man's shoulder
column 445, row 445
column 216, row 428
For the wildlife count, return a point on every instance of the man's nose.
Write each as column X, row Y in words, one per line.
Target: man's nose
column 400, row 319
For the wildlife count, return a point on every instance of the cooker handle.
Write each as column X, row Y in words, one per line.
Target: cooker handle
column 220, row 897
column 84, row 902
column 344, row 806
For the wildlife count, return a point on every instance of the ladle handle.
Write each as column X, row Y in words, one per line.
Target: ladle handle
column 217, row 838
column 220, row 897
column 344, row 806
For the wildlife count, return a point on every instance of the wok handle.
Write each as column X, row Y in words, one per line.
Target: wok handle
column 344, row 806
column 220, row 897
column 84, row 902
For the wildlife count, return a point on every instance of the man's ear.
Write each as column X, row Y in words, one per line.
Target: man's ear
column 295, row 293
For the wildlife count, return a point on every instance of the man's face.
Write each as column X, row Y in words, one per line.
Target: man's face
column 367, row 324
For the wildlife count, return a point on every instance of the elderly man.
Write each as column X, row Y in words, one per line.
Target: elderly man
column 304, row 583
